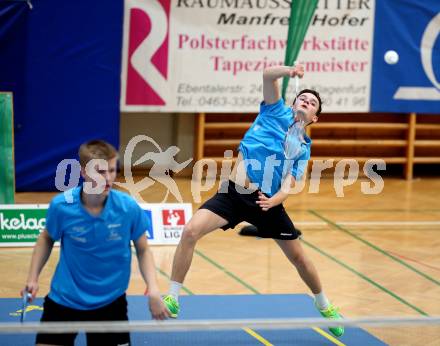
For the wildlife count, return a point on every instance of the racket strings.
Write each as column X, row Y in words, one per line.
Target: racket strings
column 293, row 140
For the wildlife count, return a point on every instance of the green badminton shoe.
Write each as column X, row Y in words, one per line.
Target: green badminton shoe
column 332, row 313
column 172, row 305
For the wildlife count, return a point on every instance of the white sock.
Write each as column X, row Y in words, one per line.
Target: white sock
column 321, row 301
column 175, row 289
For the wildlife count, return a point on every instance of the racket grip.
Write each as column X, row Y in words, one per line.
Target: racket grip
column 27, row 294
column 296, row 81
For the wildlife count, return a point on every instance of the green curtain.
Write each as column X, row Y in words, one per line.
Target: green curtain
column 301, row 13
column 7, row 179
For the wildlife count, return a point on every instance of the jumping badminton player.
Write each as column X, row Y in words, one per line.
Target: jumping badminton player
column 95, row 229
column 272, row 155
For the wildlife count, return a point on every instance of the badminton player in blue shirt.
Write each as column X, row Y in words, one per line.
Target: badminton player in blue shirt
column 95, row 226
column 272, row 155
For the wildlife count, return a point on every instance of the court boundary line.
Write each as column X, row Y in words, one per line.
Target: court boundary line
column 420, row 223
column 330, row 337
column 227, row 272
column 257, row 336
column 357, row 210
column 359, row 274
column 334, row 259
column 245, row 284
column 375, row 247
column 414, row 260
column 346, row 266
column 388, row 223
column 366, row 278
column 341, row 263
column 250, row 331
column 250, row 287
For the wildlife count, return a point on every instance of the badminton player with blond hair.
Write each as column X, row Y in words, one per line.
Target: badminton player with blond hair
column 95, row 229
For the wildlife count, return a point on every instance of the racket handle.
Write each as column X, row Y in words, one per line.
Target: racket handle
column 26, row 297
column 296, row 82
column 27, row 294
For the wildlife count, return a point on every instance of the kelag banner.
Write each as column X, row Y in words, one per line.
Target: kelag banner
column 208, row 55
column 20, row 224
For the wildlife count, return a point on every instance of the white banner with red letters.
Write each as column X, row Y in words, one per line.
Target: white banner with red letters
column 209, row 55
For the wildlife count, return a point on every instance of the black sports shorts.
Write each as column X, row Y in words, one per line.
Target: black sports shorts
column 54, row 312
column 236, row 207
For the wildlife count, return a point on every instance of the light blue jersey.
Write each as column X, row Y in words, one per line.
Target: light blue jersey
column 263, row 148
column 95, row 257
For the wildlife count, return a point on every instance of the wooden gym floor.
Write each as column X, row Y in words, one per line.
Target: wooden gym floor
column 377, row 255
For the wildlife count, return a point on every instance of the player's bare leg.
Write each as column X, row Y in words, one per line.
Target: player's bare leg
column 203, row 222
column 296, row 255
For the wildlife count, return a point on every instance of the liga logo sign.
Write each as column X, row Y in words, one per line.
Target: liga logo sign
column 173, row 223
column 173, row 218
column 168, row 221
column 145, row 52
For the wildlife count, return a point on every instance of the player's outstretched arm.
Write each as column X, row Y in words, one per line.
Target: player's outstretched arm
column 148, row 271
column 271, row 89
column 40, row 255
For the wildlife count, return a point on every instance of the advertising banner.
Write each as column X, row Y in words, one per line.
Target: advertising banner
column 412, row 84
column 20, row 224
column 167, row 221
column 209, row 55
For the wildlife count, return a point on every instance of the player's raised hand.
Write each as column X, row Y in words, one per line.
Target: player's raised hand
column 297, row 70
